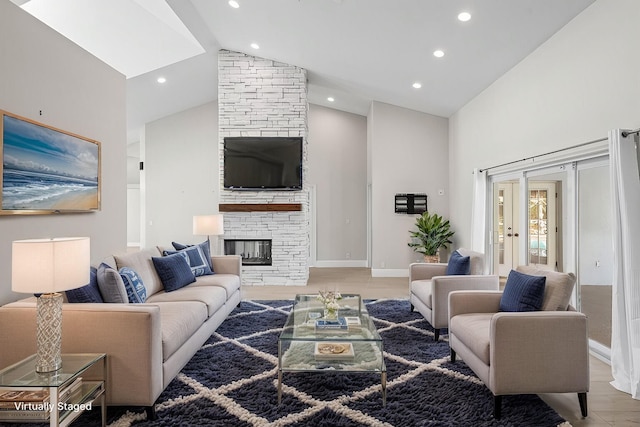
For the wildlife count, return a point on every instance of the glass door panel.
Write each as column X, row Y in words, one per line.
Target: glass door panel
column 595, row 254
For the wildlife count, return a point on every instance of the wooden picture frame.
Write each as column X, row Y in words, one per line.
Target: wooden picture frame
column 45, row 170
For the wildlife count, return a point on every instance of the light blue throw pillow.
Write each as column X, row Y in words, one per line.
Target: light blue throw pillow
column 136, row 292
column 174, row 271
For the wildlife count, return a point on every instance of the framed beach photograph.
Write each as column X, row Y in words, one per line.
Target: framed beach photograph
column 46, row 170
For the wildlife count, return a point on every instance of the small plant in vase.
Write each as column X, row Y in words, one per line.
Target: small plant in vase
column 330, row 300
column 434, row 232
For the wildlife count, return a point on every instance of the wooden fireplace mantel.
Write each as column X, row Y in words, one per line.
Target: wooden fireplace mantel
column 259, row 207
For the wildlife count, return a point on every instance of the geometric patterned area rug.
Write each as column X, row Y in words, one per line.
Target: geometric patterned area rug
column 232, row 381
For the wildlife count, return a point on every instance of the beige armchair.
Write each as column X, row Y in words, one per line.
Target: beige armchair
column 430, row 287
column 522, row 352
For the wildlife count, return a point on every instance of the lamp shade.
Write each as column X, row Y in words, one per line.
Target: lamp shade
column 50, row 265
column 208, row 225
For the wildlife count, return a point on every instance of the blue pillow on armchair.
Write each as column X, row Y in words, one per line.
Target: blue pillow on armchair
column 458, row 264
column 523, row 292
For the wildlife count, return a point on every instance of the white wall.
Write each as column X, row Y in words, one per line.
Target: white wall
column 180, row 174
column 43, row 71
column 575, row 88
column 408, row 154
column 337, row 154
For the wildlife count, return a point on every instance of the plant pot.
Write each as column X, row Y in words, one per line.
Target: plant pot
column 432, row 259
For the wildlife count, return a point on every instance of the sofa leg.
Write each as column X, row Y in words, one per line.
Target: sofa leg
column 582, row 398
column 452, row 354
column 436, row 334
column 152, row 415
column 497, row 407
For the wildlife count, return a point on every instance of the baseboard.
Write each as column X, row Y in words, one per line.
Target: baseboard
column 341, row 263
column 389, row 272
column 600, row 351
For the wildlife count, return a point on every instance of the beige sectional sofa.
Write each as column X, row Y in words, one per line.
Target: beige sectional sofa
column 146, row 344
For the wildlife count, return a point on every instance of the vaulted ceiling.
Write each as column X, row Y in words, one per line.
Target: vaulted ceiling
column 355, row 51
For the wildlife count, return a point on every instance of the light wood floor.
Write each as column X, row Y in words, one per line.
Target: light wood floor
column 607, row 406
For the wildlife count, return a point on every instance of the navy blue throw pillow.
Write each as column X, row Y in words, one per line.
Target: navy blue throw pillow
column 87, row 293
column 523, row 292
column 204, row 246
column 197, row 260
column 174, row 271
column 458, row 264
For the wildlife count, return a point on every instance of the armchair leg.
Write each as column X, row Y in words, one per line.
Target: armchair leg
column 452, row 354
column 497, row 407
column 412, row 307
column 436, row 334
column 152, row 415
column 582, row 398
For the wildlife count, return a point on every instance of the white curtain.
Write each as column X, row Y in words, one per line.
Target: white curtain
column 625, row 330
column 479, row 212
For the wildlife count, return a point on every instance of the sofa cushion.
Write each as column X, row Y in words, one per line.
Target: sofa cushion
column 111, row 285
column 458, row 264
column 205, row 249
column 473, row 330
column 422, row 290
column 522, row 292
column 174, row 271
column 197, row 260
column 87, row 293
column 214, row 297
column 140, row 262
column 229, row 282
column 558, row 288
column 476, row 260
column 180, row 320
column 136, row 292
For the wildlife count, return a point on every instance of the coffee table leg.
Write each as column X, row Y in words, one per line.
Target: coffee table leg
column 279, row 386
column 383, row 381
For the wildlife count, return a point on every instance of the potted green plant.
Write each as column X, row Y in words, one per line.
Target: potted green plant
column 434, row 232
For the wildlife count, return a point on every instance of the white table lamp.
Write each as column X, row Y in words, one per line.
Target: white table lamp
column 46, row 267
column 208, row 225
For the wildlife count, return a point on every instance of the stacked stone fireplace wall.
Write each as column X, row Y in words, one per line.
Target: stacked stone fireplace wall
column 260, row 97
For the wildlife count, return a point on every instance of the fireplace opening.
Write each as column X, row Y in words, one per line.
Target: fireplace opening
column 252, row 252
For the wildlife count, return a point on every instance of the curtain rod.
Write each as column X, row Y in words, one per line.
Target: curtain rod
column 630, row 132
column 552, row 152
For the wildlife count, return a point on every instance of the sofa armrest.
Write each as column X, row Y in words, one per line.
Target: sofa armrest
column 441, row 286
column 539, row 352
column 129, row 334
column 461, row 302
column 425, row 270
column 227, row 264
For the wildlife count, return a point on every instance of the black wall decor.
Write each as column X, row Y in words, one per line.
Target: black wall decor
column 409, row 203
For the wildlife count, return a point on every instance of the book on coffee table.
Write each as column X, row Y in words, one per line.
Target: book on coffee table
column 332, row 325
column 333, row 351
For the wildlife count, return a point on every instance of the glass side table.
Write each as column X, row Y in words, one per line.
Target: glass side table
column 23, row 390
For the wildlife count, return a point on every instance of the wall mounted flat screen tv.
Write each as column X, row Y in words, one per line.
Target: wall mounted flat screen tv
column 263, row 163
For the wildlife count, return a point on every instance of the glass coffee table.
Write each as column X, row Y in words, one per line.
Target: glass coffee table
column 311, row 343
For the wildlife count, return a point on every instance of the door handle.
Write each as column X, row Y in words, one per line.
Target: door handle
column 516, row 235
column 509, row 234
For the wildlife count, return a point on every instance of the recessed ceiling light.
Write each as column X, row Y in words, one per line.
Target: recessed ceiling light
column 234, row 4
column 161, row 80
column 438, row 53
column 464, row 16
column 330, row 99
column 255, row 45
column 417, row 85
